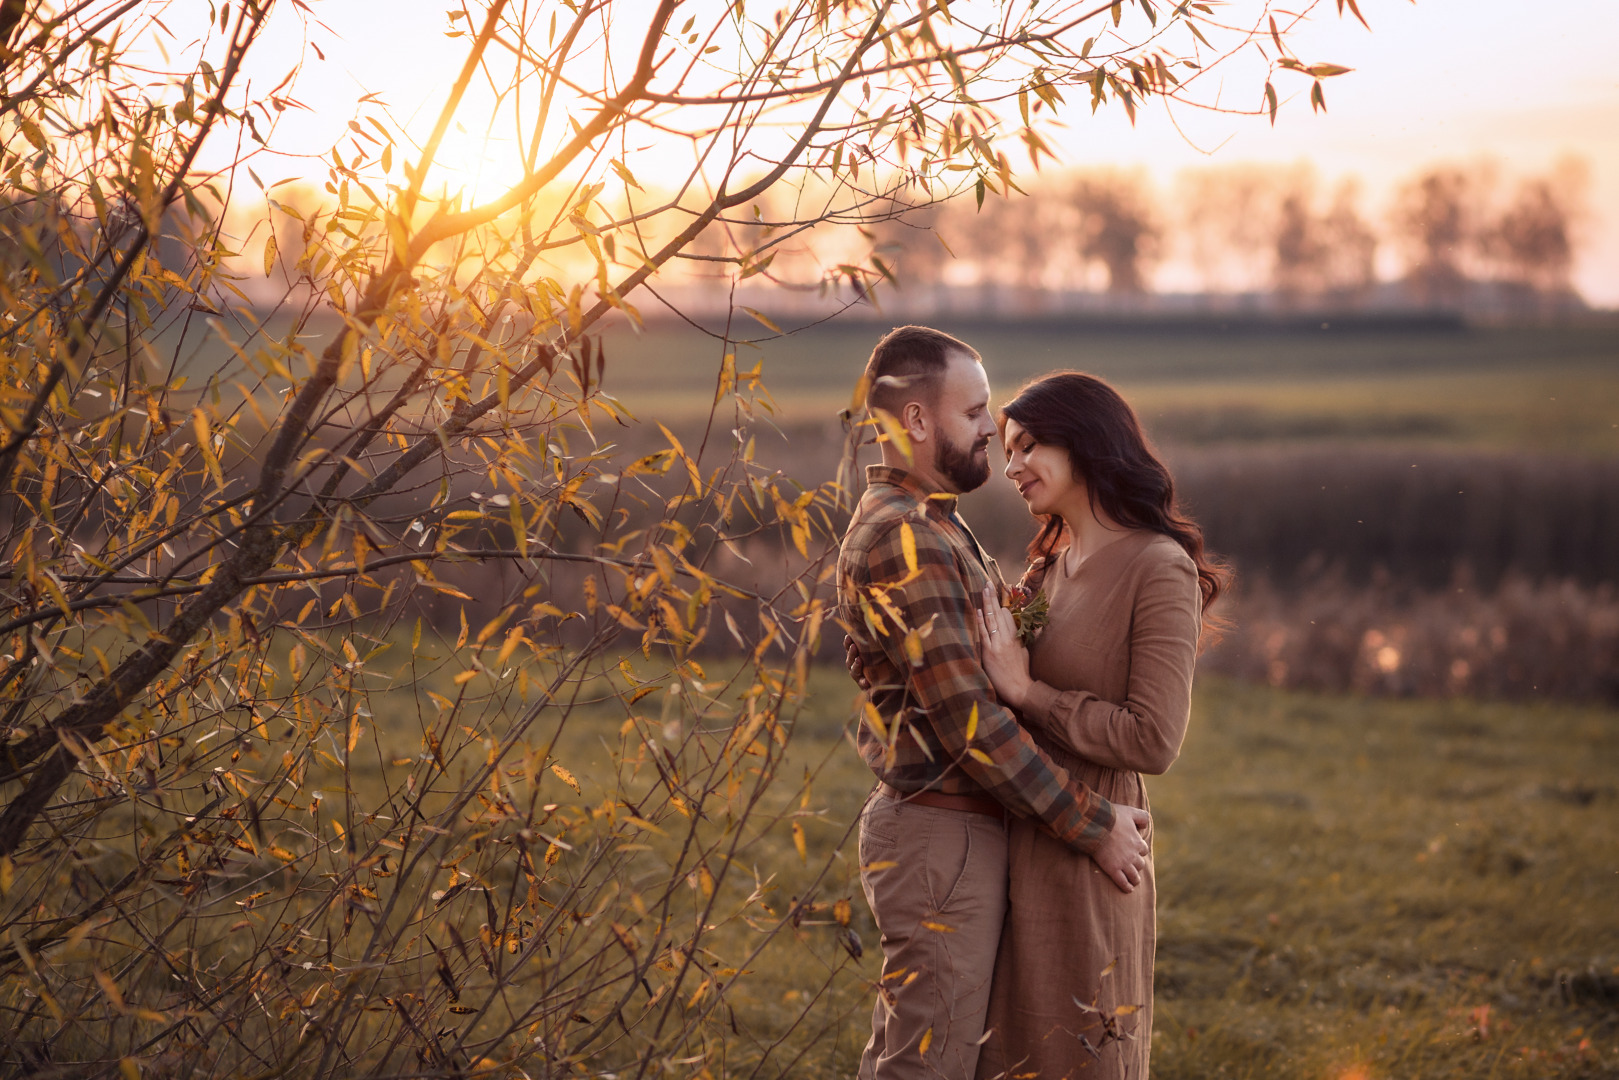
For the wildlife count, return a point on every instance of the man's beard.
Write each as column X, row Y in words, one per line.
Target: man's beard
column 962, row 466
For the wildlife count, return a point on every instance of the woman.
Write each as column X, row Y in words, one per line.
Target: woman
column 1106, row 690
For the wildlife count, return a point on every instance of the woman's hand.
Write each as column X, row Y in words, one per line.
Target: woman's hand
column 1005, row 660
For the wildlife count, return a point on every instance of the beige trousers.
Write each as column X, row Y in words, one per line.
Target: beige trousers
column 936, row 883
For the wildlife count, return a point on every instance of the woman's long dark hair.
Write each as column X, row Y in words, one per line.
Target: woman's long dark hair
column 1109, row 451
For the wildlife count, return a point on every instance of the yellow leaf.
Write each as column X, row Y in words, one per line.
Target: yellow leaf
column 567, row 778
column 1125, row 1010
column 130, row 1068
column 861, row 389
column 913, row 648
column 907, row 544
column 489, row 629
column 110, row 988
column 513, row 639
column 205, row 444
column 894, row 432
column 798, row 842
column 979, row 756
column 972, row 722
column 32, row 133
column 879, row 866
column 937, row 927
column 927, row 1040
column 355, row 731
column 875, row 719
column 764, row 320
column 269, row 255
column 466, row 676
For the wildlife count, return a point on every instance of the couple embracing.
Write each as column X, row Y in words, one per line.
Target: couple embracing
column 1006, row 850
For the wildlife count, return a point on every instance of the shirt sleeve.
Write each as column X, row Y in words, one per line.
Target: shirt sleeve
column 948, row 684
column 1144, row 732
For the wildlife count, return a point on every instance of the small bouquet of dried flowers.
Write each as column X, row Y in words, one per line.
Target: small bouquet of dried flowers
column 1030, row 611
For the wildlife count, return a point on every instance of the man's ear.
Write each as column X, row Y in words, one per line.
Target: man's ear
column 916, row 420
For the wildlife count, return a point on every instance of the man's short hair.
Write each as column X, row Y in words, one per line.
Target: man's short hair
column 908, row 364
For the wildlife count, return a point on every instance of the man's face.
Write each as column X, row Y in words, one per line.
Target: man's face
column 963, row 425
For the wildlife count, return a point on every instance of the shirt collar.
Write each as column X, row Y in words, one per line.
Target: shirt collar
column 921, row 490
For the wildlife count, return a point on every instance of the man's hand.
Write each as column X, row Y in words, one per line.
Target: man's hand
column 857, row 666
column 1123, row 855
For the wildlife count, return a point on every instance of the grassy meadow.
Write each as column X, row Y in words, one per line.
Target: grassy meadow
column 1351, row 887
column 1348, row 888
column 1553, row 388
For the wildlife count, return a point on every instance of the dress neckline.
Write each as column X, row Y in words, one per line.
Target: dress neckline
column 1090, row 560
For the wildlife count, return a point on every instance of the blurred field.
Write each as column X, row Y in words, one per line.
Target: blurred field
column 1552, row 388
column 1414, row 507
column 1408, row 889
column 1461, row 479
column 1539, row 388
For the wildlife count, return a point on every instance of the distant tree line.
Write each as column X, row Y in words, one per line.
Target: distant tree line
column 1253, row 228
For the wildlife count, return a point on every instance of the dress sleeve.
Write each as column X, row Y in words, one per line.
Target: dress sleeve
column 1143, row 733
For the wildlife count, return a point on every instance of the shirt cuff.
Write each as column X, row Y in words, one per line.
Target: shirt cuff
column 1041, row 700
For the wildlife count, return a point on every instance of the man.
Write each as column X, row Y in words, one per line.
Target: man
column 949, row 758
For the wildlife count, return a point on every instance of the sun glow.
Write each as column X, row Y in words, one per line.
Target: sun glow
column 476, row 167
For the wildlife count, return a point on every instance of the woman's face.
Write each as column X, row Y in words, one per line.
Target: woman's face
column 1043, row 474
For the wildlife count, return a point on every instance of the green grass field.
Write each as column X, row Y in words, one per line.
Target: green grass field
column 1347, row 888
column 1548, row 388
column 1530, row 388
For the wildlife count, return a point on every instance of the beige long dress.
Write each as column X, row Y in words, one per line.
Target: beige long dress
column 1114, row 670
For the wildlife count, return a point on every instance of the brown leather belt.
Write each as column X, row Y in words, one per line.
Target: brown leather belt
column 967, row 804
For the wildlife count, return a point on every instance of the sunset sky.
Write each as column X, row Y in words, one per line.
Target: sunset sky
column 1439, row 80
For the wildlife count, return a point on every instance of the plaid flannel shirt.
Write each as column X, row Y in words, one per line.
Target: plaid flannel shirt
column 910, row 577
